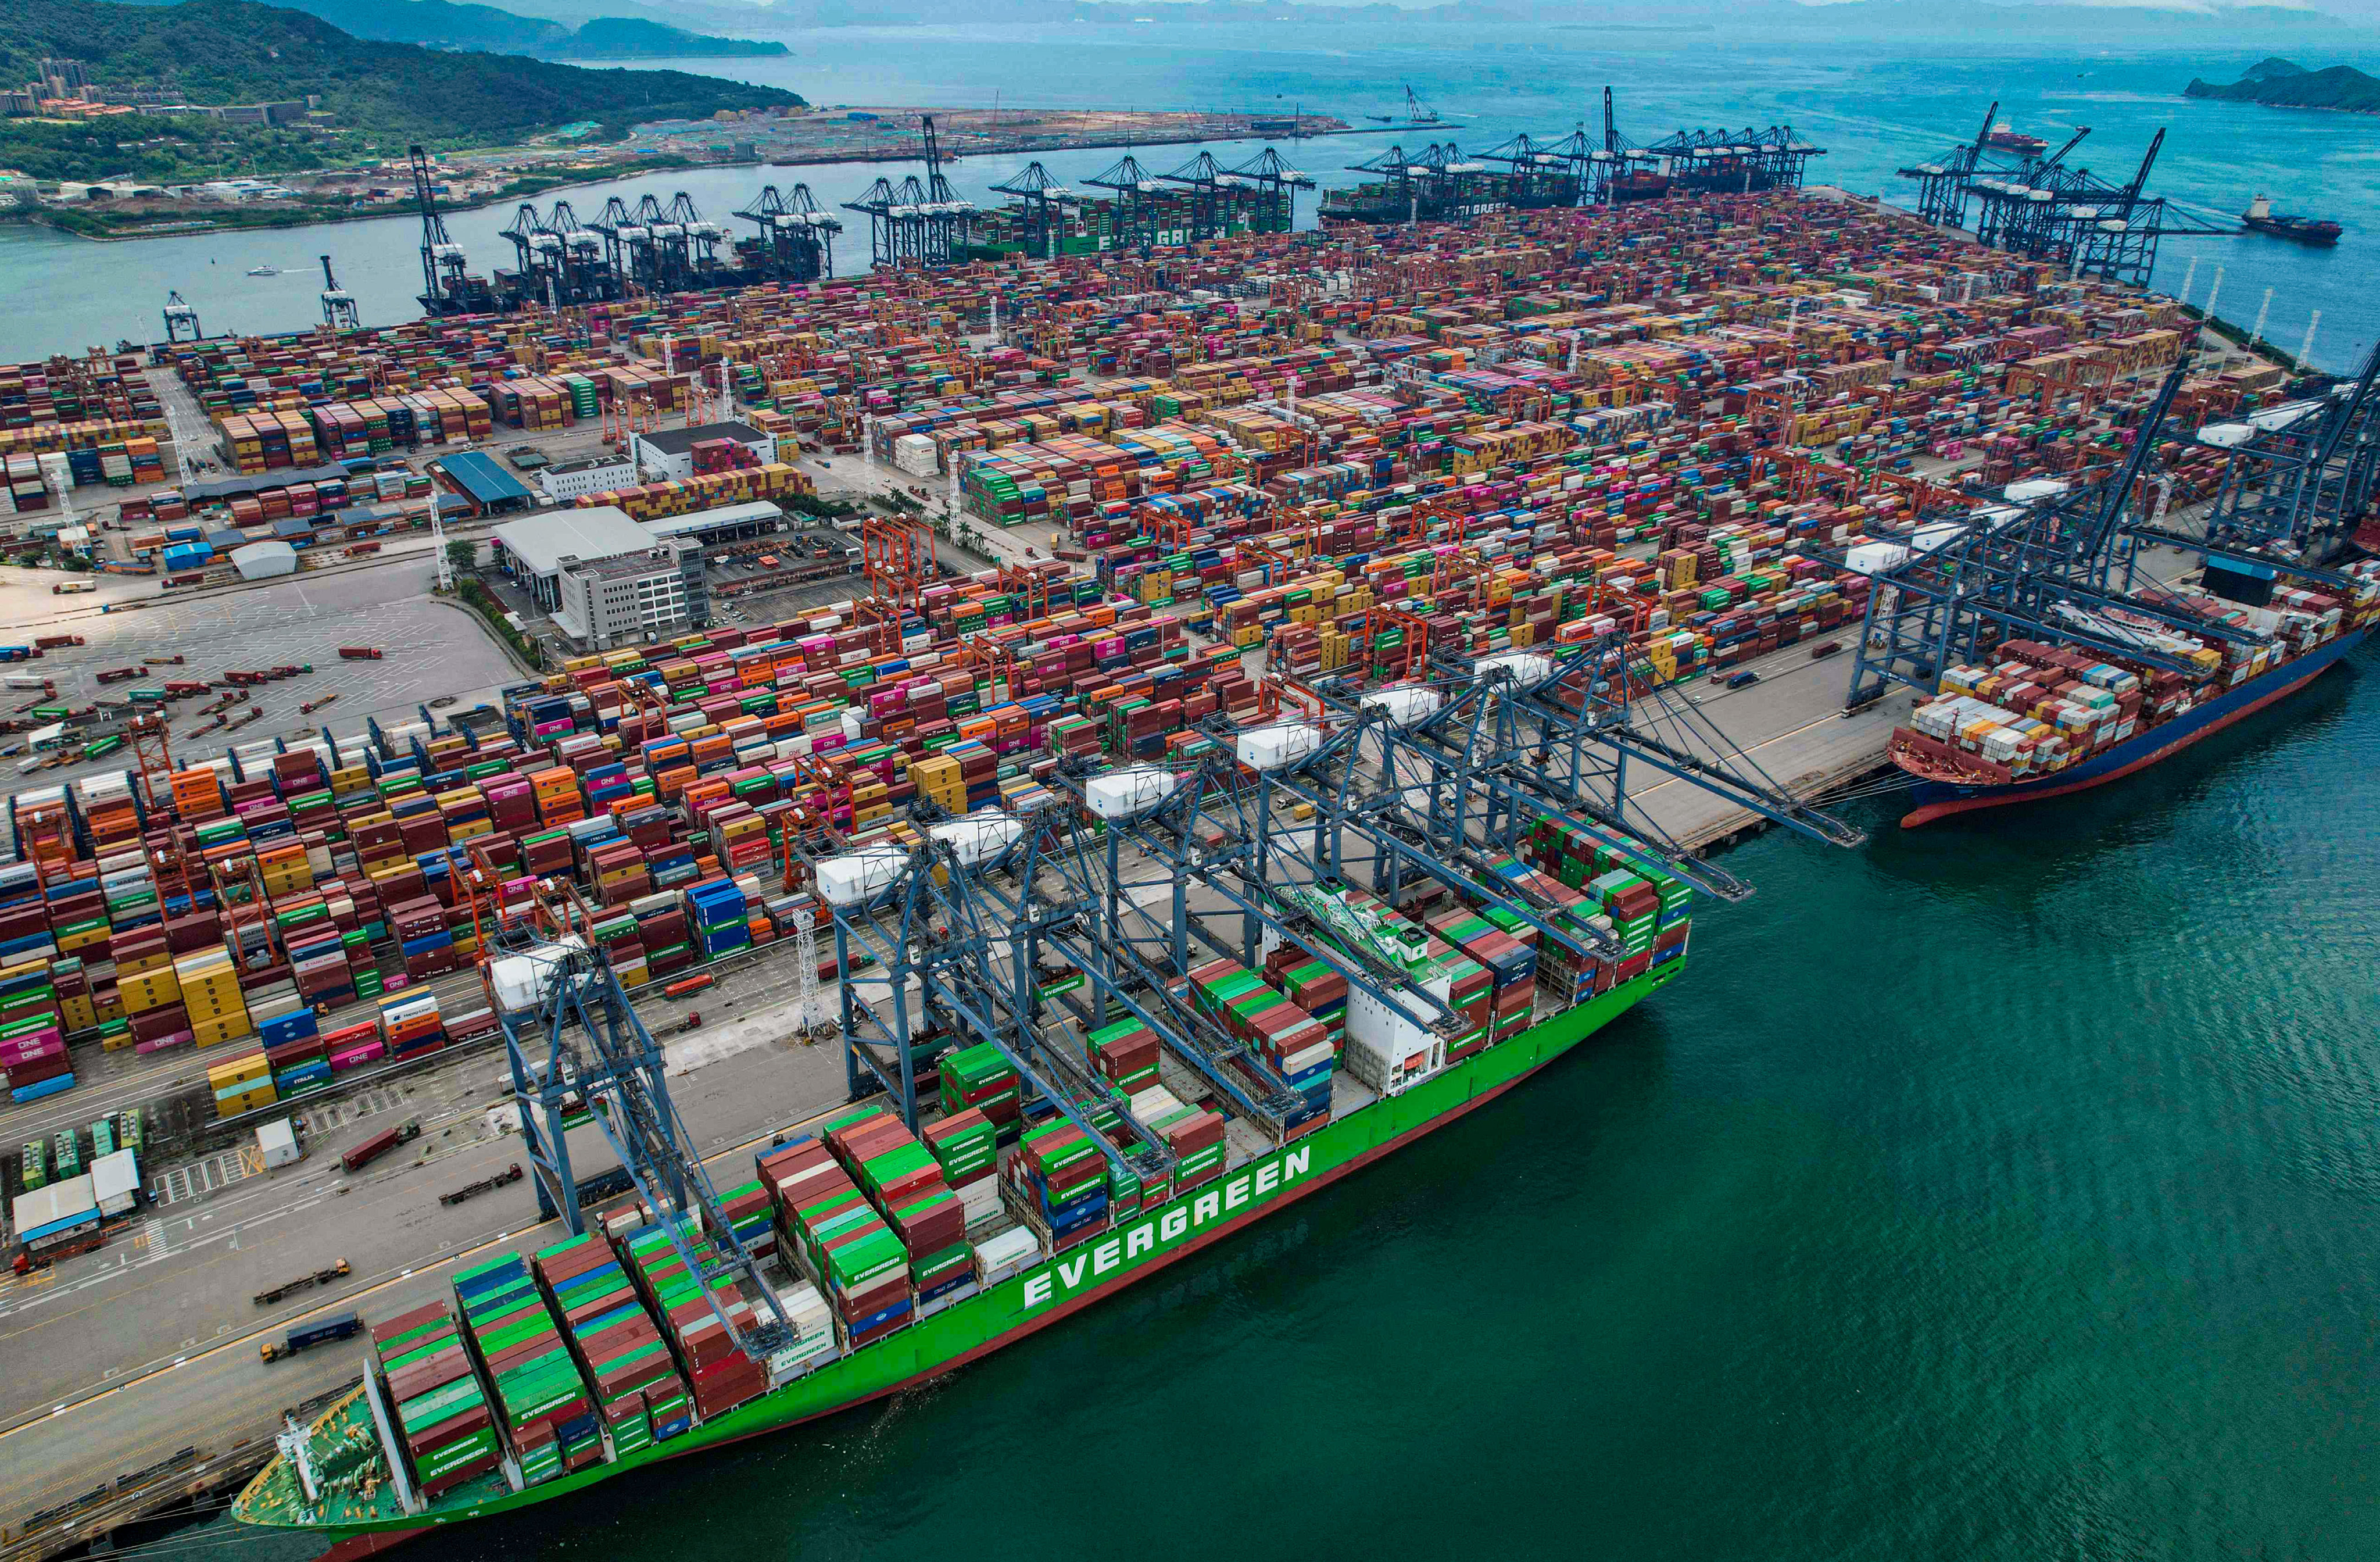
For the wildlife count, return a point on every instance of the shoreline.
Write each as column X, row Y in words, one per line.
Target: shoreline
column 198, row 227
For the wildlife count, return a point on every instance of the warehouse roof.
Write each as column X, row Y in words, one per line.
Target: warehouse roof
column 678, row 442
column 263, row 561
column 596, row 531
column 706, row 520
column 485, row 482
column 280, row 477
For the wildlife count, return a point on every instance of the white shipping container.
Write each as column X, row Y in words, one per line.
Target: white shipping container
column 278, row 1143
column 114, row 1182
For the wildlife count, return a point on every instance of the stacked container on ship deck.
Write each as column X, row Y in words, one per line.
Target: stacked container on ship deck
column 637, row 1390
column 441, row 1411
column 1299, row 1048
column 1193, row 1135
column 966, row 1145
column 841, row 1241
column 1061, row 1176
column 548, row 1420
column 684, row 1296
column 747, row 1211
column 978, row 1077
column 906, row 1184
column 1511, row 964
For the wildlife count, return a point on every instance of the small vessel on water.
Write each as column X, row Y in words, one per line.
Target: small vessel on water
column 2260, row 217
column 268, row 269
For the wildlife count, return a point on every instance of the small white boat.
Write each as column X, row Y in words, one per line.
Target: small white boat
column 264, row 271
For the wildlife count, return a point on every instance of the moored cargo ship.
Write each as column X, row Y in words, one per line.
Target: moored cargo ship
column 2260, row 217
column 900, row 1257
column 2049, row 720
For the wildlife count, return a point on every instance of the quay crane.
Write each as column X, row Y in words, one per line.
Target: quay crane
column 796, row 242
column 447, row 288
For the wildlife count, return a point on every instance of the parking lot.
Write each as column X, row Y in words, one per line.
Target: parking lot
column 432, row 649
column 743, row 576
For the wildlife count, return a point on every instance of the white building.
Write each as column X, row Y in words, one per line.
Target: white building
column 606, row 578
column 569, row 480
column 632, row 599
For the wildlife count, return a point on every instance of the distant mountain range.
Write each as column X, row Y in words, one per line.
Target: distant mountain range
column 433, row 22
column 443, row 24
column 2286, row 84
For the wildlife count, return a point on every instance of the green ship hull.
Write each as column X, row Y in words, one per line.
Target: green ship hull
column 1038, row 1296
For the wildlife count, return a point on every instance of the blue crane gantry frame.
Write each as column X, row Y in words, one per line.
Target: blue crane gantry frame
column 582, row 1046
column 958, row 924
column 2058, row 568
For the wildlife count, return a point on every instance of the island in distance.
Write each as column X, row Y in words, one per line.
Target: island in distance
column 2286, row 84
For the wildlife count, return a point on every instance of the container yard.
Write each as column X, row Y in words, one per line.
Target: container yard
column 1387, row 620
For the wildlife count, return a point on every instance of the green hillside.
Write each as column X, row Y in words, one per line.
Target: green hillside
column 232, row 51
column 2281, row 83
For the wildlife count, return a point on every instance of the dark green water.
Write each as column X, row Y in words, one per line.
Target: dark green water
column 2006, row 1189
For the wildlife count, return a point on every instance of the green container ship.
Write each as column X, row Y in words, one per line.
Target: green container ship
column 352, row 1490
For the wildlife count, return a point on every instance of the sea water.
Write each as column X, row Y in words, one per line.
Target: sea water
column 1875, row 105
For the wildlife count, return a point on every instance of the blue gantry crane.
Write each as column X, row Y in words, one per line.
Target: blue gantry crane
column 2068, row 561
column 1030, row 929
column 577, row 1050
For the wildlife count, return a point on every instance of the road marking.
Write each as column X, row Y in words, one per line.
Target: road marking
column 347, row 1301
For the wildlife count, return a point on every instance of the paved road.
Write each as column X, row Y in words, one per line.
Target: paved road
column 151, row 1344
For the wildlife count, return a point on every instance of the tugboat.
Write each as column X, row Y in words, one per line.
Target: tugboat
column 2261, row 217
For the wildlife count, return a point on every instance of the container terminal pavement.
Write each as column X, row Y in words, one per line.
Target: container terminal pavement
column 1350, row 463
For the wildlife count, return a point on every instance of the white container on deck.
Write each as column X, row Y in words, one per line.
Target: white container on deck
column 1268, row 748
column 848, row 880
column 1120, row 794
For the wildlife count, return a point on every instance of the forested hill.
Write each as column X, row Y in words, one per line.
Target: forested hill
column 233, row 52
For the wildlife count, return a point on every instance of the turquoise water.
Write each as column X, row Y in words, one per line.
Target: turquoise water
column 2001, row 1190
column 1876, row 106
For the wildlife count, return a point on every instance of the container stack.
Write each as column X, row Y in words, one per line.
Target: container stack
column 747, row 1211
column 410, row 1024
column 547, row 1420
column 966, row 1146
column 979, row 1078
column 637, row 1391
column 715, row 908
column 1127, row 1054
column 242, row 1085
column 34, row 1059
column 1299, row 1048
column 813, row 1325
column 1511, row 962
column 293, row 1041
column 442, row 1413
column 688, row 1299
column 839, row 1241
column 209, row 984
column 1060, row 1176
column 904, row 1183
